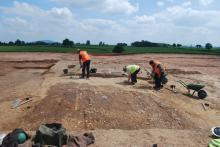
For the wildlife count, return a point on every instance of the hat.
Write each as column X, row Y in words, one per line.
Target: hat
column 151, row 62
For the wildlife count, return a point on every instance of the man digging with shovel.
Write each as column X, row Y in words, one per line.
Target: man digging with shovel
column 84, row 61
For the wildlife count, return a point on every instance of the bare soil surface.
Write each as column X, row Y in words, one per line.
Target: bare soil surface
column 118, row 114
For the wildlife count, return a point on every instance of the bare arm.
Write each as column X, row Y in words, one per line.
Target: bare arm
column 152, row 74
column 129, row 77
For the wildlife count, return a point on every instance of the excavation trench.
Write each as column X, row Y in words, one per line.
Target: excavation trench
column 81, row 106
column 35, row 64
column 179, row 71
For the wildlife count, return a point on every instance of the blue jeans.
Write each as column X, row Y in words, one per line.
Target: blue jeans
column 134, row 76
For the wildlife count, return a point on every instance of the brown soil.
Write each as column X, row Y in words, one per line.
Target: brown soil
column 92, row 107
column 118, row 113
column 179, row 71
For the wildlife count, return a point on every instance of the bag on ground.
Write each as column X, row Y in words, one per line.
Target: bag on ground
column 16, row 137
column 51, row 134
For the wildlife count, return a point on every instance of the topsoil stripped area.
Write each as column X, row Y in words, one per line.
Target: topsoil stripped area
column 106, row 102
column 92, row 107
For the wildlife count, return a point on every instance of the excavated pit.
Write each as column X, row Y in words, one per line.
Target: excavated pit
column 10, row 66
column 35, row 64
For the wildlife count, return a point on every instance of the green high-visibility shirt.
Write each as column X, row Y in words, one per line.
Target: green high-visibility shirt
column 214, row 143
column 132, row 68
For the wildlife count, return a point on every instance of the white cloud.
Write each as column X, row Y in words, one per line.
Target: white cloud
column 54, row 24
column 179, row 23
column 104, row 6
column 122, row 6
column 160, row 3
column 170, row 1
column 60, row 12
column 145, row 19
column 21, row 8
column 186, row 4
column 99, row 24
column 205, row 2
column 18, row 21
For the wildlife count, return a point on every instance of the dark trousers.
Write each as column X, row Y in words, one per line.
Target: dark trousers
column 86, row 68
column 157, row 81
column 134, row 76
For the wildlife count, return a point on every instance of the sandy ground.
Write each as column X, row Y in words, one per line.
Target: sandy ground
column 118, row 114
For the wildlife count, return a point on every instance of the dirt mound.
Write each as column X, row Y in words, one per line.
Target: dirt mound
column 89, row 107
column 179, row 71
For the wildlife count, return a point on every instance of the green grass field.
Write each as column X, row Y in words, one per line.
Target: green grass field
column 94, row 49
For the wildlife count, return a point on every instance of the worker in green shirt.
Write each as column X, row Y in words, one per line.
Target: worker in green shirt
column 214, row 143
column 132, row 71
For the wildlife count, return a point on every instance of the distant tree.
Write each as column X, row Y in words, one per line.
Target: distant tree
column 22, row 43
column 18, row 42
column 122, row 44
column 118, row 49
column 198, row 46
column 11, row 43
column 100, row 43
column 71, row 43
column 0, row 43
column 67, row 43
column 174, row 44
column 178, row 45
column 144, row 43
column 208, row 46
column 165, row 45
column 88, row 42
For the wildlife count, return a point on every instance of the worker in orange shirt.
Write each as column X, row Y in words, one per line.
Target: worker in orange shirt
column 84, row 61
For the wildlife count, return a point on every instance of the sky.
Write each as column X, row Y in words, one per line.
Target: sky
column 188, row 22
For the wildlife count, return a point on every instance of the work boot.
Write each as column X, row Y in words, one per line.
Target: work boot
column 156, row 88
column 132, row 83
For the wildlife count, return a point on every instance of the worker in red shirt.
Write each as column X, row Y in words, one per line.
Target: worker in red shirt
column 158, row 74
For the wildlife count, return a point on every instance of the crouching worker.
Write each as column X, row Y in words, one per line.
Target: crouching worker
column 84, row 61
column 158, row 74
column 132, row 71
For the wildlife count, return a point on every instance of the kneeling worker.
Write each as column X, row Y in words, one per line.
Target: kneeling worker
column 158, row 74
column 132, row 71
column 85, row 58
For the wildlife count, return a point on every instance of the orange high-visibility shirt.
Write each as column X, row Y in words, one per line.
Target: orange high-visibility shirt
column 84, row 55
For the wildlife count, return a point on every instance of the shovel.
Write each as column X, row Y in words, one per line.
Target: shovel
column 75, row 70
column 18, row 102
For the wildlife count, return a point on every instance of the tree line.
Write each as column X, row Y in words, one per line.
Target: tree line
column 69, row 43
